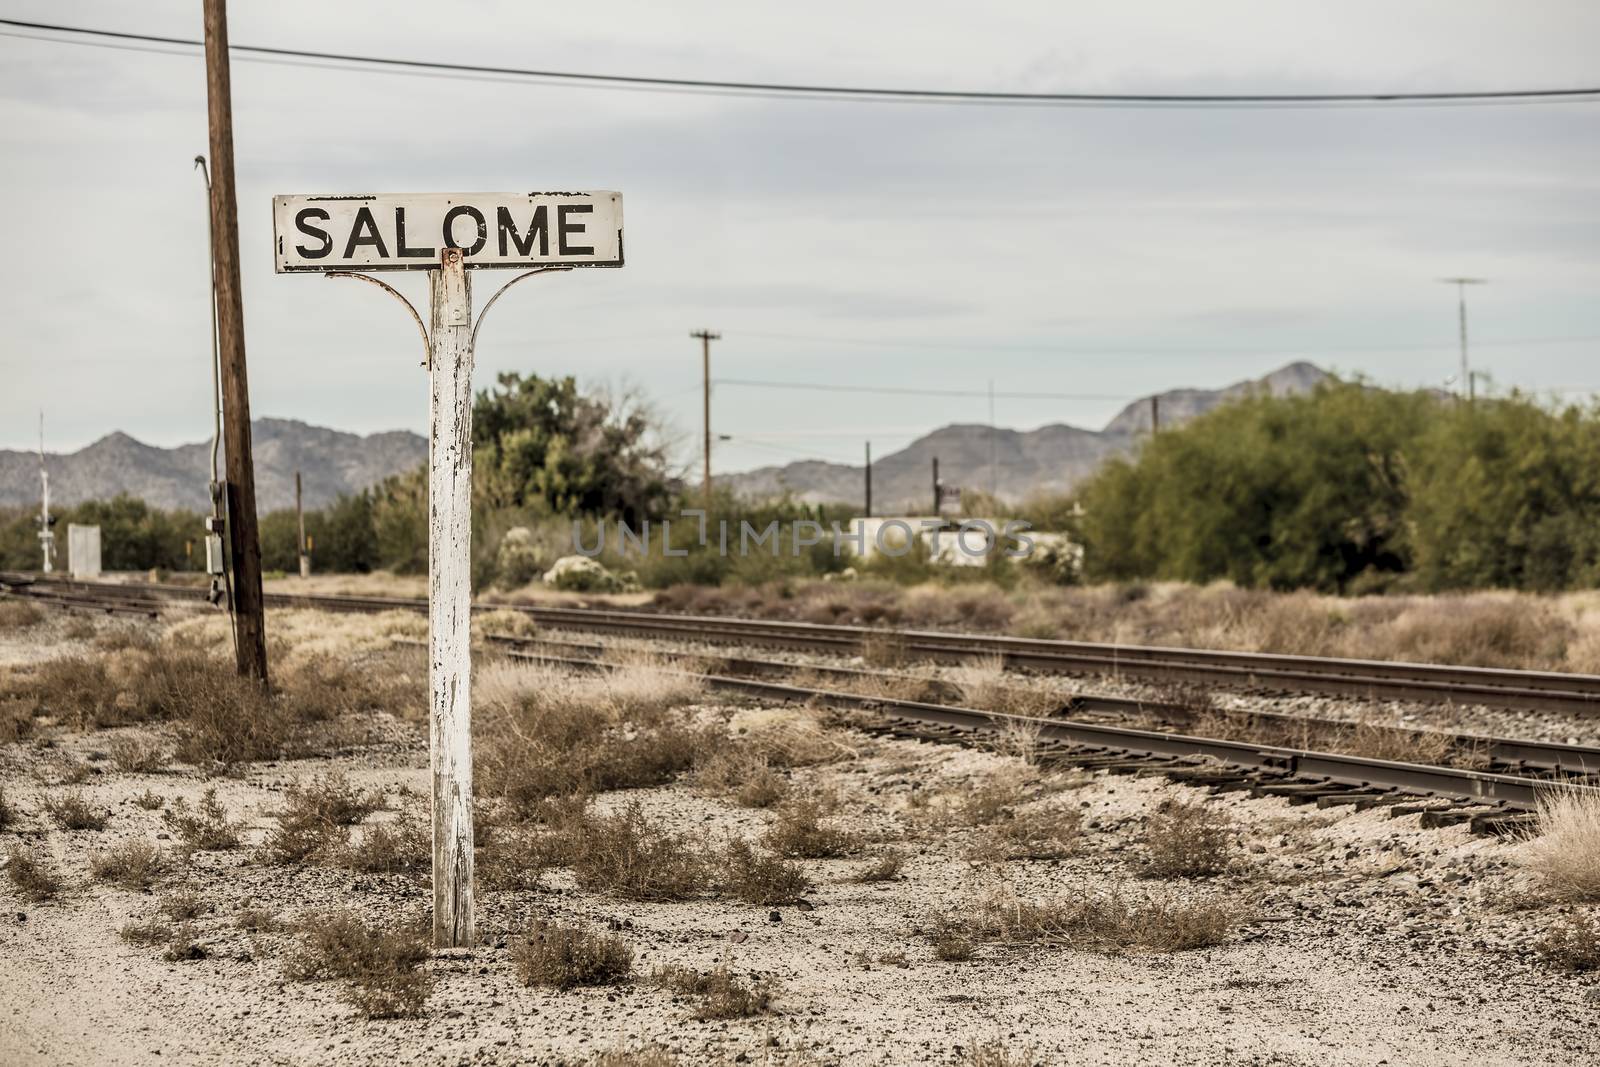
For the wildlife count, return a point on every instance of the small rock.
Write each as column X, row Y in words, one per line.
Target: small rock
column 774, row 917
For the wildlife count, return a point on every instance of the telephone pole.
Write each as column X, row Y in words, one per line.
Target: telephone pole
column 249, row 619
column 1155, row 414
column 936, row 487
column 1461, row 298
column 300, row 526
column 706, row 337
column 47, row 537
column 869, row 479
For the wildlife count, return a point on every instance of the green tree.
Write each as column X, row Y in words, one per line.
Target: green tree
column 1283, row 492
column 541, row 443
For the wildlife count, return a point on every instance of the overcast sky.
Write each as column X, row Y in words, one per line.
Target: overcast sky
column 1098, row 253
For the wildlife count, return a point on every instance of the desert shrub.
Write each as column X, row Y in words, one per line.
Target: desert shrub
column 886, row 868
column 310, row 825
column 257, row 921
column 1106, row 923
column 185, row 944
column 72, row 812
column 654, row 1056
column 133, row 865
column 951, row 944
column 16, row 718
column 149, row 932
column 137, row 755
column 1040, row 834
column 1566, row 849
column 205, row 827
column 759, row 878
column 1572, row 943
column 18, row 615
column 383, row 967
column 150, row 800
column 1187, row 839
column 390, row 848
column 629, row 855
column 8, row 813
column 561, row 957
column 547, row 733
column 995, row 1052
column 183, row 906
column 798, row 832
column 30, row 876
column 515, row 860
column 721, row 994
column 741, row 774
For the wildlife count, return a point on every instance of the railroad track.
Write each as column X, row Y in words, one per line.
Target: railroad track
column 1488, row 802
column 1375, row 679
column 1491, row 801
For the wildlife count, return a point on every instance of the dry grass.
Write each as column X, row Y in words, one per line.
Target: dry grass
column 503, row 622
column 886, row 868
column 561, row 957
column 721, row 994
column 1565, row 850
column 8, row 813
column 1572, row 943
column 884, row 649
column 1368, row 736
column 1188, row 839
column 134, row 865
column 995, row 1052
column 549, row 733
column 33, row 880
column 1496, row 629
column 1046, row 833
column 72, row 812
column 150, row 800
column 654, row 1056
column 799, row 832
column 310, row 825
column 18, row 615
column 204, row 827
column 383, row 967
column 759, row 878
column 400, row 847
column 1105, row 923
column 515, row 859
column 635, row 858
column 138, row 755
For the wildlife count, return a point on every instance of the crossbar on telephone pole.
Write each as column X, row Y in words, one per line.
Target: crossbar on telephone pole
column 706, row 337
column 244, row 540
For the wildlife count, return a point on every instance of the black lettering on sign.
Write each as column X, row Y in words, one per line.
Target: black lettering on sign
column 365, row 232
column 508, row 228
column 302, row 224
column 563, row 227
column 400, row 240
column 449, row 224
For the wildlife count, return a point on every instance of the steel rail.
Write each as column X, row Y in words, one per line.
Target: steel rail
column 1378, row 679
column 1309, row 766
column 1505, row 752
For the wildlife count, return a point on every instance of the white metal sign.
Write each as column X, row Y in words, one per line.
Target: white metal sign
column 949, row 498
column 408, row 231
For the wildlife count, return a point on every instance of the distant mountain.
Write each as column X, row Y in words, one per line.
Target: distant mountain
column 1050, row 459
column 331, row 463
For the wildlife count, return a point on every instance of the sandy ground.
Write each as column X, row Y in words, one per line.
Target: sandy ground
column 1364, row 940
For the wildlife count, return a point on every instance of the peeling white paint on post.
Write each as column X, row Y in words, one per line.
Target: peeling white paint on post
column 447, row 234
column 450, row 597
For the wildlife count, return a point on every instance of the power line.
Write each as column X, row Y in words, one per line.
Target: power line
column 1155, row 350
column 891, row 390
column 846, row 93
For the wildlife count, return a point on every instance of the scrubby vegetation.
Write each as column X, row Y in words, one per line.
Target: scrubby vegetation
column 133, row 865
column 561, row 957
column 383, row 968
column 1188, row 839
column 32, row 878
column 1095, row 922
column 720, row 993
column 1565, row 850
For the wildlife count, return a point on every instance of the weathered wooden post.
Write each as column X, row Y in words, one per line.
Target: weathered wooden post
column 341, row 236
column 450, row 596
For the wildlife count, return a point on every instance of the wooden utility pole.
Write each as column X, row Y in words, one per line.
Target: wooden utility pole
column 869, row 479
column 244, row 541
column 1155, row 414
column 300, row 526
column 936, row 487
column 706, row 337
column 450, row 596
